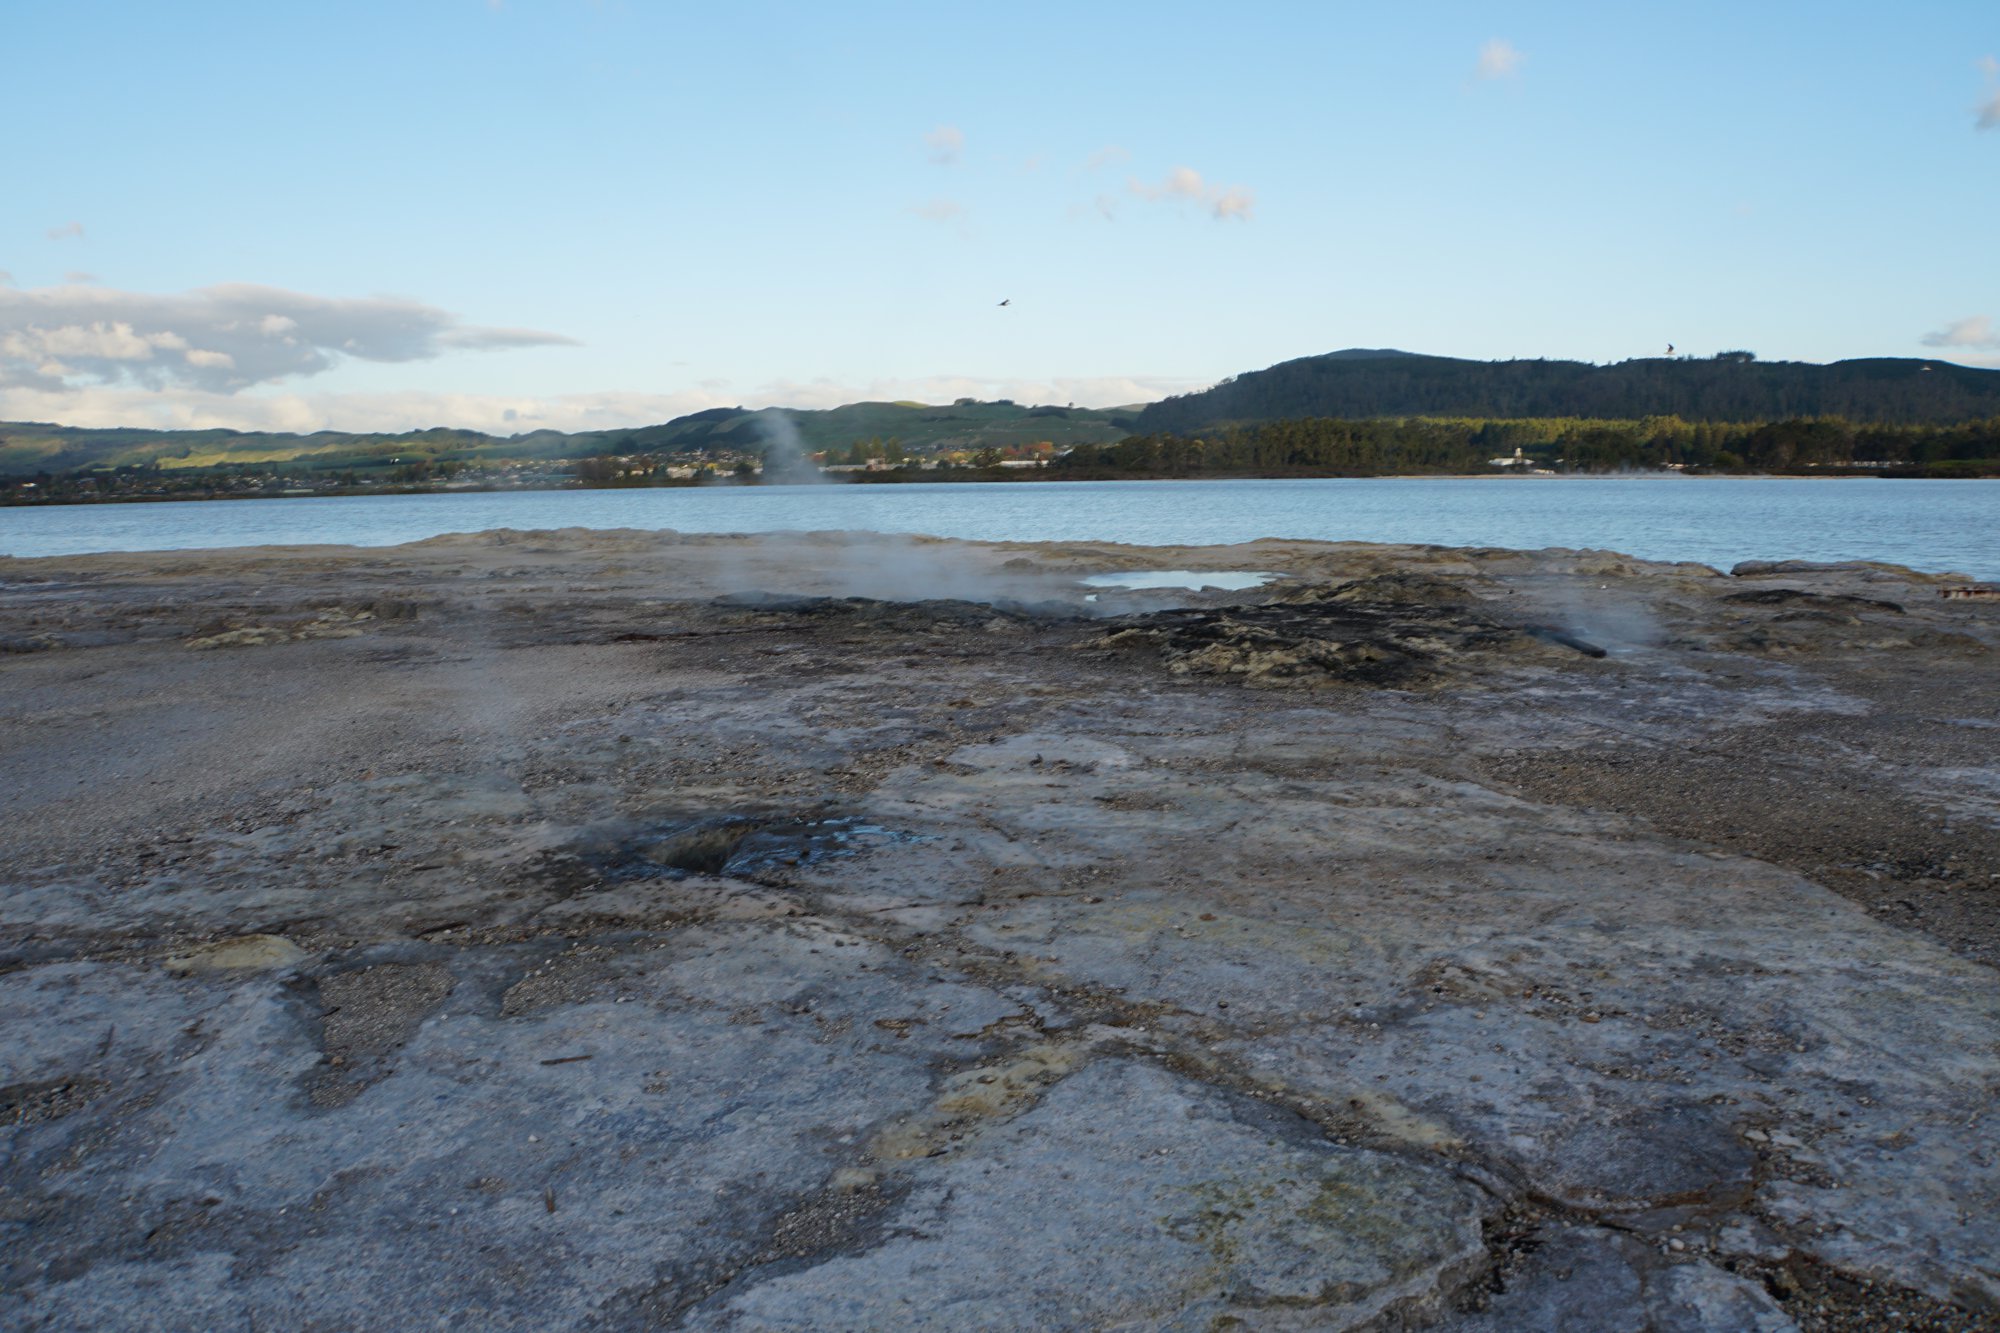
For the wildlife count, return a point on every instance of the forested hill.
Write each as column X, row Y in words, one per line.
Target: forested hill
column 1733, row 386
column 27, row 447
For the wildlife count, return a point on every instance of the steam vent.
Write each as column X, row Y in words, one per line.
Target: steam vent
column 620, row 930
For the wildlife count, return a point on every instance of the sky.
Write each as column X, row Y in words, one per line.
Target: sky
column 517, row 214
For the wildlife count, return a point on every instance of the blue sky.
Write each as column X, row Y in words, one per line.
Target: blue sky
column 558, row 212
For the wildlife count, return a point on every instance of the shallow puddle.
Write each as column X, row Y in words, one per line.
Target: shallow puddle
column 1192, row 580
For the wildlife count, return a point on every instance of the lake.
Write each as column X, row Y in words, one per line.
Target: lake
column 1930, row 525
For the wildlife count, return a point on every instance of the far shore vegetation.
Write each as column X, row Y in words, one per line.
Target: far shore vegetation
column 1358, row 413
column 1314, row 447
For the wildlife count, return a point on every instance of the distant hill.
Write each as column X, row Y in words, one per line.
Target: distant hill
column 1357, row 384
column 1362, row 384
column 921, row 427
column 31, row 447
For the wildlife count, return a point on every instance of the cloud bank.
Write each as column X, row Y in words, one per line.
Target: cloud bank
column 1973, row 331
column 219, row 340
column 496, row 414
column 514, row 414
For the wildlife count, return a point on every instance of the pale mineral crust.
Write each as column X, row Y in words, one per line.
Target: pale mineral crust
column 627, row 930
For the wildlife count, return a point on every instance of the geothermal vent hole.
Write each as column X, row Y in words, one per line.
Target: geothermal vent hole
column 747, row 845
column 699, row 850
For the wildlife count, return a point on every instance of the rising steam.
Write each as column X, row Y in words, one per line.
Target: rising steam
column 785, row 457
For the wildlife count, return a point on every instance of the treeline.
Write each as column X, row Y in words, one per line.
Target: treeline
column 1733, row 386
column 1330, row 447
column 871, row 450
column 1318, row 447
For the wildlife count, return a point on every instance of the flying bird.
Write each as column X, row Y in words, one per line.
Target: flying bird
column 1670, row 349
column 1008, row 301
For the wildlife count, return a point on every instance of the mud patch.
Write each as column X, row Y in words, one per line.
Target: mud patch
column 49, row 1099
column 1799, row 622
column 366, row 1016
column 938, row 615
column 1798, row 596
column 1387, row 633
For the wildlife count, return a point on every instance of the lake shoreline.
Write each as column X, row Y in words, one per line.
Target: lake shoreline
column 936, row 478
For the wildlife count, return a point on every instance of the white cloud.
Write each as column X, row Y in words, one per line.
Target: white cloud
column 940, row 210
column 1499, row 58
column 1185, row 183
column 68, row 231
column 6, row 278
column 1972, row 331
column 94, row 342
column 1108, row 156
column 946, row 143
column 221, row 339
column 200, row 409
column 1235, row 202
column 1989, row 105
column 79, row 277
column 1181, row 183
column 473, row 338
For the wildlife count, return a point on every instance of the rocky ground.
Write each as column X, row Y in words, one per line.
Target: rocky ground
column 609, row 931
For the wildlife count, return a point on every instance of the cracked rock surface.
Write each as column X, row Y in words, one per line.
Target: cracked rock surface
column 627, row 930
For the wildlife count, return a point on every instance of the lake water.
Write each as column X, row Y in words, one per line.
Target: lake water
column 1931, row 525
